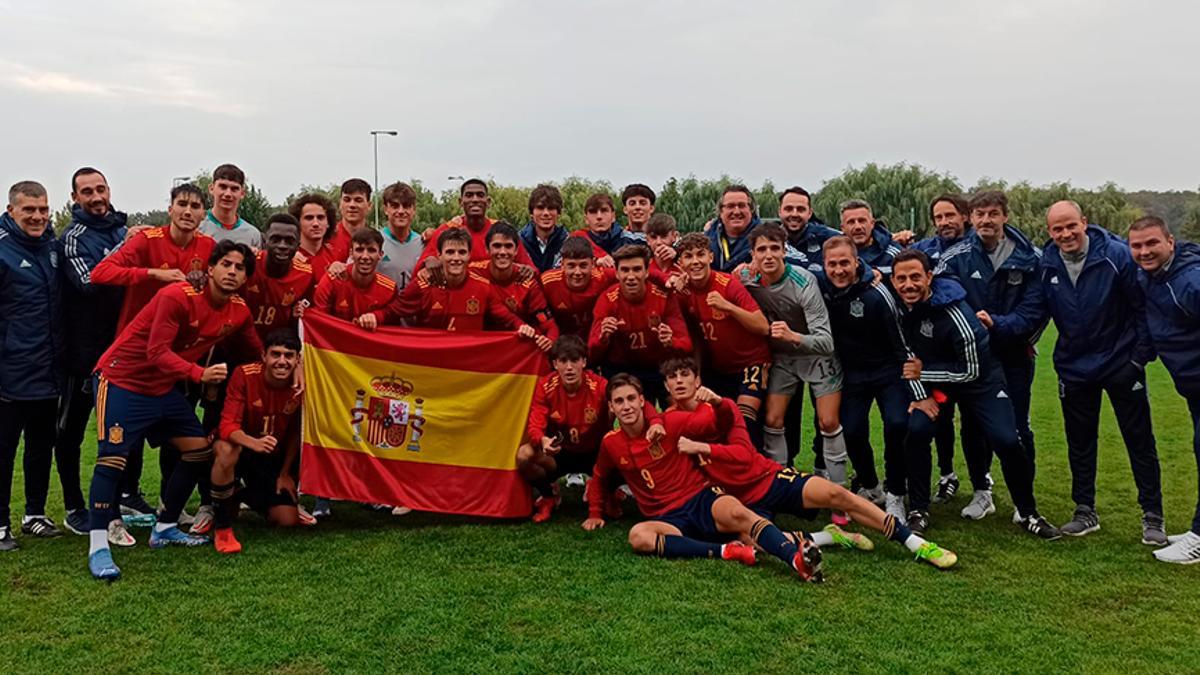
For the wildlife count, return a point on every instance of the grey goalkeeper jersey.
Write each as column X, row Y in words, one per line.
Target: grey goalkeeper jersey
column 795, row 299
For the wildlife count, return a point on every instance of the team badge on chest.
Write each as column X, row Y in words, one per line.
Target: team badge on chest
column 656, row 450
column 856, row 309
column 289, row 298
column 589, row 415
column 927, row 328
column 511, row 303
column 1014, row 278
column 473, row 306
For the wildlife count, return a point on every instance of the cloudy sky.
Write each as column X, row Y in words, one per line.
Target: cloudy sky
column 524, row 91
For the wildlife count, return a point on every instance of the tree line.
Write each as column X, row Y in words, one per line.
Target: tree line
column 900, row 195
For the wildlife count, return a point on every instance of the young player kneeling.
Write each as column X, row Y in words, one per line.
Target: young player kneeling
column 766, row 486
column 681, row 504
column 567, row 419
column 259, row 439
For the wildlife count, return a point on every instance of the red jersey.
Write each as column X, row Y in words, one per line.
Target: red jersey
column 272, row 301
column 319, row 261
column 164, row 342
column 464, row 307
column 734, row 463
column 635, row 341
column 341, row 297
column 258, row 409
column 572, row 310
column 728, row 347
column 582, row 417
column 340, row 243
column 660, row 478
column 478, row 244
column 523, row 298
column 151, row 248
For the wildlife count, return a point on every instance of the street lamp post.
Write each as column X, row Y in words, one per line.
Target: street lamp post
column 375, row 192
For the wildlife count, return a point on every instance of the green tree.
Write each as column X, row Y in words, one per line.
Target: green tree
column 1107, row 206
column 899, row 195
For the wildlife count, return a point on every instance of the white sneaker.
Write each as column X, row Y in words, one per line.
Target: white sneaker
column 118, row 534
column 203, row 522
column 981, row 505
column 576, row 480
column 1016, row 517
column 895, row 507
column 874, row 495
column 306, row 518
column 1184, row 551
column 401, row 510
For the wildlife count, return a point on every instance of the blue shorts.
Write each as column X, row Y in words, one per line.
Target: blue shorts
column 694, row 519
column 124, row 419
column 750, row 381
column 785, row 496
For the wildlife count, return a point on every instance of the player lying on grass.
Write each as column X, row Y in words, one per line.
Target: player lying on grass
column 766, row 486
column 681, row 506
column 259, row 440
column 568, row 417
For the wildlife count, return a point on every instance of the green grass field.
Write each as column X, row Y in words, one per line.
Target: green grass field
column 369, row 592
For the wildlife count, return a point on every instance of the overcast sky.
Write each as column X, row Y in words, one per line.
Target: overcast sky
column 526, row 91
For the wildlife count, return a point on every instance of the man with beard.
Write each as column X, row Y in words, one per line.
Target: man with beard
column 96, row 230
column 874, row 242
column 806, row 233
column 543, row 237
column 996, row 265
column 1170, row 278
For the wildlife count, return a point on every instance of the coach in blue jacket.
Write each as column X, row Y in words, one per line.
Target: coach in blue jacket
column 30, row 354
column 874, row 241
column 92, row 310
column 1089, row 286
column 996, row 266
column 1170, row 278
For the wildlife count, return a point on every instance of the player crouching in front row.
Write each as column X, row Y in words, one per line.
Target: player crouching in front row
column 260, row 416
column 770, row 488
column 682, row 506
column 568, row 417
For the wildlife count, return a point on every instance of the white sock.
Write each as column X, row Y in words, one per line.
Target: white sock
column 163, row 527
column 950, row 476
column 834, row 447
column 913, row 542
column 97, row 540
column 775, row 444
column 821, row 538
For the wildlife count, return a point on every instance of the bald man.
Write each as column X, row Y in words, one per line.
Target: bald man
column 1088, row 284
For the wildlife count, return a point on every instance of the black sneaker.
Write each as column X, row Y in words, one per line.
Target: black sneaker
column 918, row 522
column 77, row 521
column 1085, row 521
column 947, row 487
column 1037, row 525
column 7, row 542
column 41, row 526
column 136, row 505
column 1153, row 533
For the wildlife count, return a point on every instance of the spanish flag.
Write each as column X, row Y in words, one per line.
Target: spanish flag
column 426, row 419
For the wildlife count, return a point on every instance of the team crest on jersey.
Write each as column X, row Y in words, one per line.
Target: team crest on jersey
column 656, row 450
column 814, row 247
column 718, row 314
column 392, row 414
column 53, row 258
column 289, row 297
column 116, row 435
column 511, row 303
column 589, row 415
column 1014, row 278
column 654, row 320
column 291, row 406
column 473, row 306
column 856, row 309
column 927, row 328
column 226, row 328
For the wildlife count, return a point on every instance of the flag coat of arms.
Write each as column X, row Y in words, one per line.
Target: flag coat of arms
column 427, row 419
